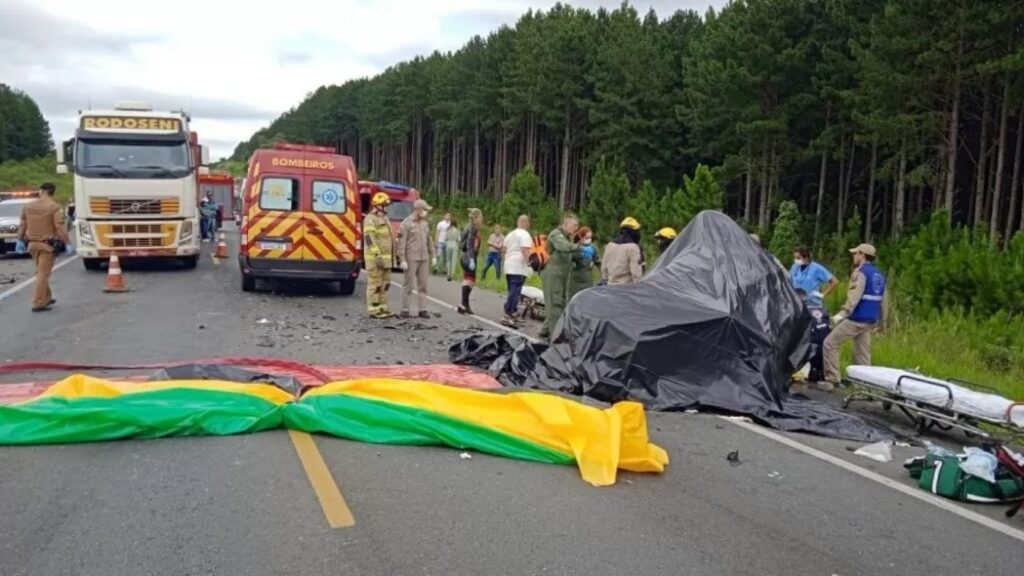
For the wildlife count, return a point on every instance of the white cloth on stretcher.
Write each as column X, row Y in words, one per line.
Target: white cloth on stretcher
column 534, row 293
column 965, row 401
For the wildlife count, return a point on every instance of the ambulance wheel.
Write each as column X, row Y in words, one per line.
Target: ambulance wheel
column 190, row 262
column 346, row 287
column 248, row 283
column 93, row 264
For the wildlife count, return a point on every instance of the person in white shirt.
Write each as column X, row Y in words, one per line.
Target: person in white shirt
column 442, row 231
column 517, row 265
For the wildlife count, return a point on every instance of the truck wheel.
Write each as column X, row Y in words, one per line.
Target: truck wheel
column 248, row 283
column 93, row 264
column 190, row 262
column 346, row 287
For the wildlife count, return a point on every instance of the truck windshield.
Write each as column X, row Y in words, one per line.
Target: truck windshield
column 132, row 159
column 399, row 210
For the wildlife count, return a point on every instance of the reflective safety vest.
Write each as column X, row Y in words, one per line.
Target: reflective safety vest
column 869, row 309
column 377, row 237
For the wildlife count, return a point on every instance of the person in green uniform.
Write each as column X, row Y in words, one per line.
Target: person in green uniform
column 378, row 254
column 583, row 263
column 557, row 272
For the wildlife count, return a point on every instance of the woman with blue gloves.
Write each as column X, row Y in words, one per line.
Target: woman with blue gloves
column 810, row 276
column 583, row 262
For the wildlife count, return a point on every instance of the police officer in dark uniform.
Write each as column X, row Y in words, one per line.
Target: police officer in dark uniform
column 42, row 230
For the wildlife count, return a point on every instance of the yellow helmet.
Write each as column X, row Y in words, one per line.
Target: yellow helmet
column 630, row 223
column 380, row 199
column 666, row 232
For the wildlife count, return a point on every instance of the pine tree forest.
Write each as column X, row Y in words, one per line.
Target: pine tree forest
column 884, row 111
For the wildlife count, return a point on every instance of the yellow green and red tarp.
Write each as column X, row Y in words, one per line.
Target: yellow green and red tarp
column 524, row 425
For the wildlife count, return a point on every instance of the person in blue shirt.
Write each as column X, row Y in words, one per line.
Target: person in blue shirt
column 208, row 210
column 810, row 276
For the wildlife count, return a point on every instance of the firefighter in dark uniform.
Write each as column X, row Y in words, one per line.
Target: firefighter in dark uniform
column 43, row 232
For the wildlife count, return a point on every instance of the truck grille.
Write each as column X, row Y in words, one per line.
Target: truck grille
column 142, row 235
column 133, row 206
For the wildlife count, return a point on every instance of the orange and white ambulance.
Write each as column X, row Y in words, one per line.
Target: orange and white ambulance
column 301, row 217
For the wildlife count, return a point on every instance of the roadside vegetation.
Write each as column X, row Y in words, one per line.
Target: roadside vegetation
column 898, row 122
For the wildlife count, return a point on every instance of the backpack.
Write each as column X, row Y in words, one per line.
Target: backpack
column 1014, row 464
column 538, row 257
column 942, row 475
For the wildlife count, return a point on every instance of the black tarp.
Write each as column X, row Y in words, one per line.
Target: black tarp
column 227, row 373
column 715, row 325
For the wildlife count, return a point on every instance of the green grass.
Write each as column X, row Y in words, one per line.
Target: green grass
column 29, row 174
column 989, row 352
column 949, row 344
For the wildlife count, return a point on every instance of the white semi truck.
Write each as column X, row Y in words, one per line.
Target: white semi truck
column 136, row 187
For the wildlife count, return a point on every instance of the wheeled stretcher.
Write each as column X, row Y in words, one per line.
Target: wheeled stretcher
column 531, row 303
column 929, row 402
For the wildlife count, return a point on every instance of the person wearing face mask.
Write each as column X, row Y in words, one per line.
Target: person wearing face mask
column 415, row 252
column 810, row 276
column 583, row 263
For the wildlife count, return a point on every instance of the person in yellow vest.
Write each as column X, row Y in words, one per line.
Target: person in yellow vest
column 378, row 253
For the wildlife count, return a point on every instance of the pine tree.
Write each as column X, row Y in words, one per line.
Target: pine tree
column 786, row 233
column 24, row 133
column 702, row 192
column 645, row 206
column 606, row 200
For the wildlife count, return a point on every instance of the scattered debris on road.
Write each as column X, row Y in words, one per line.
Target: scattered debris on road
column 879, row 451
column 466, row 456
column 734, row 458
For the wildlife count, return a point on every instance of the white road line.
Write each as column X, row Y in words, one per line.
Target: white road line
column 487, row 321
column 32, row 280
column 913, row 492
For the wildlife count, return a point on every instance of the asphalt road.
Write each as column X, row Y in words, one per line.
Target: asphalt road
column 244, row 505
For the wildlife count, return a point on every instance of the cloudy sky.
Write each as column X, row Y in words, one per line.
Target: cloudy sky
column 236, row 67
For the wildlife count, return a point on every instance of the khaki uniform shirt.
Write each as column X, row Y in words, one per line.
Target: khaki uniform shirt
column 41, row 220
column 621, row 264
column 415, row 243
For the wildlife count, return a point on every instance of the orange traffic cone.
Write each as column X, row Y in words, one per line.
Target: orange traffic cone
column 115, row 282
column 222, row 247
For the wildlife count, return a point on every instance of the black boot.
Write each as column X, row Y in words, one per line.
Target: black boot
column 464, row 308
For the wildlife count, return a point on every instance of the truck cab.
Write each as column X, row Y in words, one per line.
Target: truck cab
column 301, row 217
column 135, row 181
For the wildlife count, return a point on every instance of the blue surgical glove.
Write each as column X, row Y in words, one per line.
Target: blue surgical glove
column 20, row 247
column 68, row 249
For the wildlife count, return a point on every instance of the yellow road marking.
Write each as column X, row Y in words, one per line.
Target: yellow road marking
column 335, row 509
